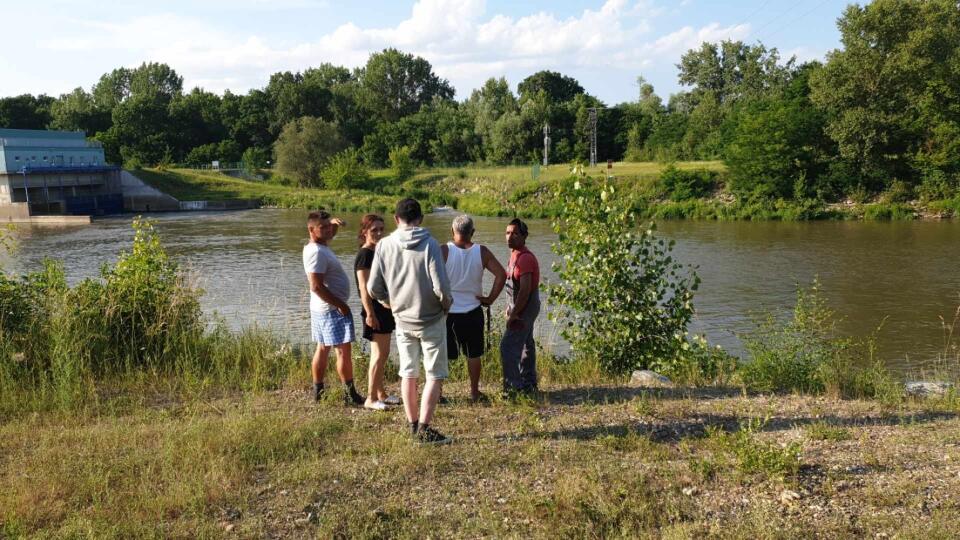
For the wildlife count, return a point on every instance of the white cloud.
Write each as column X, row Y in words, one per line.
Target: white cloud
column 462, row 42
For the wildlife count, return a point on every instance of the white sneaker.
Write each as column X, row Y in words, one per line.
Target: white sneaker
column 375, row 406
column 391, row 400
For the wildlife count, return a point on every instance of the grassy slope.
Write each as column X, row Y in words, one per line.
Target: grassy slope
column 481, row 190
column 511, row 190
column 593, row 461
column 193, row 185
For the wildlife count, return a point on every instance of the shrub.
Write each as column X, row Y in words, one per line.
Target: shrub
column 141, row 316
column 898, row 192
column 255, row 158
column 888, row 211
column 683, row 185
column 345, row 171
column 621, row 294
column 936, row 185
column 788, row 357
column 401, row 163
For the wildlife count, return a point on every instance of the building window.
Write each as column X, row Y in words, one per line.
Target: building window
column 16, row 158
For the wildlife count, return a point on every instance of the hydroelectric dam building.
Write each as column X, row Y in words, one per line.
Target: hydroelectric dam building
column 51, row 173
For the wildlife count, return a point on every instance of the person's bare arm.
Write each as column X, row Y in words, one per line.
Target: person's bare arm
column 317, row 286
column 523, row 296
column 366, row 299
column 493, row 266
column 337, row 223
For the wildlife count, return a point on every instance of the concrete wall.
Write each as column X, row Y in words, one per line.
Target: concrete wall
column 139, row 197
column 14, row 212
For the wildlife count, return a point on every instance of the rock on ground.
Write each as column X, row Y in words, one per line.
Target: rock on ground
column 645, row 377
column 927, row 388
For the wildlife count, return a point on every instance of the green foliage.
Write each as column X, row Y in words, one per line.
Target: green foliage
column 889, row 92
column 804, row 355
column 620, row 295
column 888, row 211
column 345, row 171
column 770, row 153
column 58, row 342
column 822, row 431
column 254, row 158
column 682, row 185
column 401, row 163
column 754, row 456
column 787, row 357
column 304, row 147
column 394, row 84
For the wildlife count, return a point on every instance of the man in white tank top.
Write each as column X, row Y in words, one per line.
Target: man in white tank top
column 465, row 262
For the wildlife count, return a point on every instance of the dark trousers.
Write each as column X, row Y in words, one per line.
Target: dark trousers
column 518, row 352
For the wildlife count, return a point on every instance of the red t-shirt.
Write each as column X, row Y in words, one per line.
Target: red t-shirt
column 523, row 261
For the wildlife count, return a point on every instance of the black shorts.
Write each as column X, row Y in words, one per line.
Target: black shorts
column 384, row 317
column 465, row 332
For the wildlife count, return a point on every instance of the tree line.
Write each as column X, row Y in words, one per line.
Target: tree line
column 881, row 114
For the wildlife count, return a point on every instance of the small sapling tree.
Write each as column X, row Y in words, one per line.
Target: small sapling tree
column 621, row 296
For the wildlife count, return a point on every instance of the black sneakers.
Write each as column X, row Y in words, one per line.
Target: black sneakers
column 317, row 391
column 428, row 435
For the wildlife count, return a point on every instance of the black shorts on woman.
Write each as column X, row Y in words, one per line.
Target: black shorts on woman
column 383, row 315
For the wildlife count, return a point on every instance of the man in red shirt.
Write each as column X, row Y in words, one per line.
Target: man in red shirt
column 518, row 352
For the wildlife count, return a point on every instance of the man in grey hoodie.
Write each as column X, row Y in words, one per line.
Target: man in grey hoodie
column 408, row 275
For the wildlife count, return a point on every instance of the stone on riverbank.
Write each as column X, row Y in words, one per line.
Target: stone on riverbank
column 926, row 388
column 645, row 377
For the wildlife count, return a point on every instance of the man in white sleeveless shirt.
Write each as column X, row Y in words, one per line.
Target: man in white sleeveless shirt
column 465, row 262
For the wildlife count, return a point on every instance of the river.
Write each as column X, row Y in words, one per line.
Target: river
column 903, row 275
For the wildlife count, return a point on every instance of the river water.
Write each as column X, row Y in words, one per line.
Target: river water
column 903, row 275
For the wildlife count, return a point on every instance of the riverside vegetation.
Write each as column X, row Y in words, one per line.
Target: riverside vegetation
column 875, row 121
column 680, row 190
column 128, row 413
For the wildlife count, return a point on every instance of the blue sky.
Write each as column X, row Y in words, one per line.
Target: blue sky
column 57, row 45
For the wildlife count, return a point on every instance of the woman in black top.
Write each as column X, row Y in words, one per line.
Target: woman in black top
column 377, row 319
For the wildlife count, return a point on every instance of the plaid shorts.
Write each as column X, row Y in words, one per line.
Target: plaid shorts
column 331, row 328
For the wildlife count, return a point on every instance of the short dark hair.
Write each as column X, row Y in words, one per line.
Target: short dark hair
column 408, row 210
column 520, row 225
column 313, row 218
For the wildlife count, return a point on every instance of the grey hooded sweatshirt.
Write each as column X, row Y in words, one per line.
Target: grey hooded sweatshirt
column 409, row 274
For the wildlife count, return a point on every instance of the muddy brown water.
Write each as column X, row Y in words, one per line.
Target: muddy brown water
column 898, row 276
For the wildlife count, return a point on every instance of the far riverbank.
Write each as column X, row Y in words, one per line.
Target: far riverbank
column 527, row 191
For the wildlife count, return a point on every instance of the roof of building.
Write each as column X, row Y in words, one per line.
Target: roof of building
column 40, row 134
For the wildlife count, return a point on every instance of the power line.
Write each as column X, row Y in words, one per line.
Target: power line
column 758, row 10
column 784, row 25
column 768, row 23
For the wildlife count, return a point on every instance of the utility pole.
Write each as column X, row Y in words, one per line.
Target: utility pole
column 546, row 144
column 593, row 136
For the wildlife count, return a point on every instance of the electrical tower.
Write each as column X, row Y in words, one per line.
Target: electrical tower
column 593, row 136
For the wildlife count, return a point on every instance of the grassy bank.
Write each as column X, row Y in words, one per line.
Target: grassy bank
column 585, row 461
column 512, row 191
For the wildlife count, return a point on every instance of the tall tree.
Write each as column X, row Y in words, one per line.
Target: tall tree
column 77, row 111
column 558, row 88
column 394, row 84
column 25, row 111
column 892, row 94
column 304, row 147
column 733, row 70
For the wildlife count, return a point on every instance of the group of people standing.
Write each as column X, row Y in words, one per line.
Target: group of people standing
column 431, row 296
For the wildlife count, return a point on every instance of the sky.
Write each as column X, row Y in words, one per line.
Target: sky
column 53, row 46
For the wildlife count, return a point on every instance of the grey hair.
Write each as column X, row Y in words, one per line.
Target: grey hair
column 463, row 224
